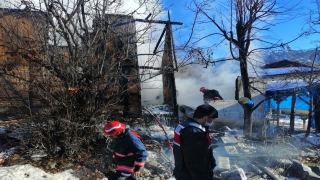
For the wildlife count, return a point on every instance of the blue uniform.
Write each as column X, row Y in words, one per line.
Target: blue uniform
column 129, row 153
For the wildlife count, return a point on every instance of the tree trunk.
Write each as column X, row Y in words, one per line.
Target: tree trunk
column 247, row 121
column 292, row 113
column 247, row 125
column 317, row 110
column 309, row 125
column 309, row 115
column 317, row 117
column 238, row 86
column 245, row 77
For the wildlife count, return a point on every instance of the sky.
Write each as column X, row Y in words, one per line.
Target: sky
column 222, row 76
column 285, row 31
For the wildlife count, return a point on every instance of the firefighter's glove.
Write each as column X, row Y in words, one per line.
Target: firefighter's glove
column 137, row 168
column 136, row 174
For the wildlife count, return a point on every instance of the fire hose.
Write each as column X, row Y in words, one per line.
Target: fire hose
column 159, row 123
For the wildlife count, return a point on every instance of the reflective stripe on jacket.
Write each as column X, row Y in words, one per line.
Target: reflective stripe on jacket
column 129, row 152
column 180, row 127
column 191, row 148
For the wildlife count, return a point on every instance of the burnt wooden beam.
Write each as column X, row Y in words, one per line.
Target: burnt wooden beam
column 150, row 67
column 149, row 21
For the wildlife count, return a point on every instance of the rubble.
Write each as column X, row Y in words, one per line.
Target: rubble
column 231, row 150
column 234, row 174
column 272, row 173
column 229, row 140
column 272, row 154
column 266, row 155
column 260, row 157
column 304, row 171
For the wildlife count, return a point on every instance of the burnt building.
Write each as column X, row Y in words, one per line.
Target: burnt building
column 22, row 36
column 24, row 40
column 105, row 60
column 120, row 42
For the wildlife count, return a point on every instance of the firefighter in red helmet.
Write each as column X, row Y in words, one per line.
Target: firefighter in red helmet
column 210, row 95
column 129, row 153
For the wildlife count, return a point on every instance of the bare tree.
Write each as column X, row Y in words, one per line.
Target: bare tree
column 312, row 80
column 240, row 24
column 71, row 65
column 314, row 21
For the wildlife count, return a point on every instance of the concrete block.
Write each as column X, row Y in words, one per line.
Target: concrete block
column 229, row 140
column 231, row 150
column 223, row 164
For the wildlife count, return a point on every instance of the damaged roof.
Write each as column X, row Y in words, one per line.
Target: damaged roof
column 286, row 67
column 20, row 12
column 286, row 63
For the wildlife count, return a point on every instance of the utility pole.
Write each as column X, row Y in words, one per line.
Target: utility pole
column 169, row 61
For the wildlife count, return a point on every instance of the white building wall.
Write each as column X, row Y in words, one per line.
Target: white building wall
column 231, row 113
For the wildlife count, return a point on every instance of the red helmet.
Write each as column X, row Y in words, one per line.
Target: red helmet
column 202, row 89
column 113, row 128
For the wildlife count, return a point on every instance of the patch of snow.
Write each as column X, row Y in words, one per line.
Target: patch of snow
column 156, row 132
column 297, row 121
column 159, row 110
column 312, row 138
column 8, row 152
column 38, row 157
column 3, row 130
column 30, row 172
column 2, row 155
column 305, row 55
column 287, row 70
column 315, row 140
column 285, row 85
column 234, row 132
column 18, row 133
column 152, row 155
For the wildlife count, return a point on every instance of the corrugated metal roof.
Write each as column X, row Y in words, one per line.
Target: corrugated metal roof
column 286, row 67
column 287, row 63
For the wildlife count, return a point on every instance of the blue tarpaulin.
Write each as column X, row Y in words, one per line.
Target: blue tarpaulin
column 286, row 103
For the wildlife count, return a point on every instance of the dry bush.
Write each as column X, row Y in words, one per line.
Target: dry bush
column 67, row 67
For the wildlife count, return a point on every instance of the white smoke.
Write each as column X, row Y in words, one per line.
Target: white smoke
column 221, row 78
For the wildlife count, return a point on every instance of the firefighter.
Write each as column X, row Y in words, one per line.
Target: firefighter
column 129, row 153
column 191, row 146
column 209, row 95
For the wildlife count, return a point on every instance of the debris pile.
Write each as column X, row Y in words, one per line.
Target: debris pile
column 272, row 154
column 263, row 157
